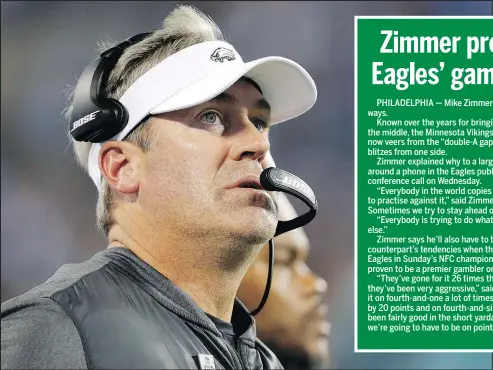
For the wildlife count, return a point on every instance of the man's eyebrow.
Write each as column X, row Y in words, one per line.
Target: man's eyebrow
column 291, row 251
column 263, row 104
column 228, row 98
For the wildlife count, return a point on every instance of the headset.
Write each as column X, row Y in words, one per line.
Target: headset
column 275, row 179
column 96, row 118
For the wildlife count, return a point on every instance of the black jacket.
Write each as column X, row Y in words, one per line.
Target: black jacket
column 116, row 311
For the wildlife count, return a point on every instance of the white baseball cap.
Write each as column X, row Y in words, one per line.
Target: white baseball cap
column 201, row 72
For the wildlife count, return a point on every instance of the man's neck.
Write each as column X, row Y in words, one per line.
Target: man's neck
column 189, row 267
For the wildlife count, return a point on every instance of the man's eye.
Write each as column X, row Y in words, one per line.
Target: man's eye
column 259, row 124
column 211, row 118
column 283, row 262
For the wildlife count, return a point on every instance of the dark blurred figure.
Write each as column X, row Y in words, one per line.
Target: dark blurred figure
column 293, row 322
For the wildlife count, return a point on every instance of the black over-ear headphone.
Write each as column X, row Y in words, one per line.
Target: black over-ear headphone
column 96, row 118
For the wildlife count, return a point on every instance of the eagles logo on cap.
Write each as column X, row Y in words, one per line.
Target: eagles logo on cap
column 222, row 54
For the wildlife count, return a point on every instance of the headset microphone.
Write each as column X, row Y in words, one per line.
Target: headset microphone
column 275, row 179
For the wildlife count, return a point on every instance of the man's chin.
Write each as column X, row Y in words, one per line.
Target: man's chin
column 255, row 225
column 248, row 213
column 320, row 357
column 240, row 198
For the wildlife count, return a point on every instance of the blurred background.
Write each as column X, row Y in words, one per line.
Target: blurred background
column 48, row 203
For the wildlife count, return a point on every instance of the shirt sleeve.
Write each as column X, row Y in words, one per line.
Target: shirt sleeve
column 40, row 335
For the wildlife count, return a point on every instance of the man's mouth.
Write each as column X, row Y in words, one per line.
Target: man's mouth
column 323, row 310
column 325, row 329
column 319, row 313
column 250, row 185
column 319, row 317
column 247, row 182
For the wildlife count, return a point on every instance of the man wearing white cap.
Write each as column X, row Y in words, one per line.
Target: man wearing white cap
column 177, row 170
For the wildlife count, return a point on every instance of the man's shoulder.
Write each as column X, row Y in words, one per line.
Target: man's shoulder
column 65, row 278
column 268, row 355
column 37, row 330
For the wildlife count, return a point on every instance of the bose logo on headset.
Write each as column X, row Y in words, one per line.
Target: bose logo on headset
column 90, row 117
column 288, row 180
column 293, row 182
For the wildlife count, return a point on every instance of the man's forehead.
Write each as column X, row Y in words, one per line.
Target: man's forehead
column 231, row 95
column 252, row 82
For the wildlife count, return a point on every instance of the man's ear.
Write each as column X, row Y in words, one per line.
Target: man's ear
column 119, row 162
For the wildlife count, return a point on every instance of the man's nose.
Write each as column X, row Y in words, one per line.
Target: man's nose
column 314, row 283
column 320, row 286
column 250, row 143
